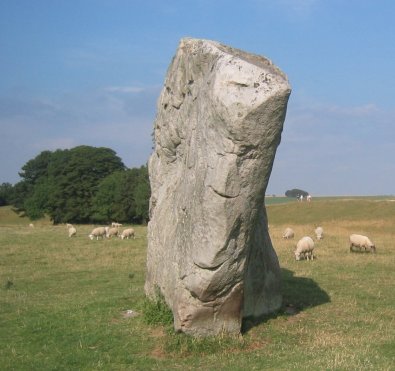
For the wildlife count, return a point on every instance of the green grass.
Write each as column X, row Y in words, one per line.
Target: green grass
column 62, row 301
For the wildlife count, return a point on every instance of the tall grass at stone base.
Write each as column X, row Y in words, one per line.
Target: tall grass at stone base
column 63, row 301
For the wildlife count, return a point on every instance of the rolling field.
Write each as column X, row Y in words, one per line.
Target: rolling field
column 63, row 301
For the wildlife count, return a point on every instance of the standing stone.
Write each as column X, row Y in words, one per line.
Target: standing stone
column 219, row 122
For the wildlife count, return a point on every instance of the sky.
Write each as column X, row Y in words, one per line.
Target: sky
column 89, row 72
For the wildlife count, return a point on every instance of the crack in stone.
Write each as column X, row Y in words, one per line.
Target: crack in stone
column 222, row 194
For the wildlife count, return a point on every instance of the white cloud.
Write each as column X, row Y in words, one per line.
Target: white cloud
column 124, row 89
column 120, row 118
column 95, row 53
column 53, row 143
column 301, row 8
column 295, row 9
column 326, row 147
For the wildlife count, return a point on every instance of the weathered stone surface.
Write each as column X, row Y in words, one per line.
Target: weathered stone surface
column 219, row 122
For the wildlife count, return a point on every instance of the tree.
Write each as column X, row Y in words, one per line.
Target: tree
column 296, row 193
column 76, row 178
column 63, row 183
column 142, row 195
column 21, row 192
column 6, row 194
column 36, row 205
column 107, row 204
column 123, row 196
column 33, row 172
column 36, row 168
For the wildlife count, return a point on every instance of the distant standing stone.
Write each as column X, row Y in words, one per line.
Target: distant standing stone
column 219, row 122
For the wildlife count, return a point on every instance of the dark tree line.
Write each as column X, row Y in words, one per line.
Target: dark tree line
column 80, row 185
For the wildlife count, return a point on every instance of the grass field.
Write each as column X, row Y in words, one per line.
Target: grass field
column 63, row 301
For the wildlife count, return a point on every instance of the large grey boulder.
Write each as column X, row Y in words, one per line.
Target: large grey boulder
column 219, row 122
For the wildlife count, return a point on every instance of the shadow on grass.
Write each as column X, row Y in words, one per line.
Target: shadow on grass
column 299, row 293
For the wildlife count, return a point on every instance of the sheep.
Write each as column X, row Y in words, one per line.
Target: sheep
column 319, row 233
column 72, row 231
column 128, row 233
column 97, row 232
column 31, row 225
column 304, row 248
column 288, row 233
column 113, row 224
column 112, row 232
column 361, row 242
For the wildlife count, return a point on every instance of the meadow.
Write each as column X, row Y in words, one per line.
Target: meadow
column 64, row 302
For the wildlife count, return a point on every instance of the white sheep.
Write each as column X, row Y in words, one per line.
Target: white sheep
column 127, row 233
column 304, row 248
column 113, row 224
column 72, row 231
column 97, row 232
column 288, row 233
column 112, row 232
column 361, row 242
column 319, row 233
column 31, row 225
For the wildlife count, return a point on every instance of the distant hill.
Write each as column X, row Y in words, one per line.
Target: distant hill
column 9, row 217
column 325, row 209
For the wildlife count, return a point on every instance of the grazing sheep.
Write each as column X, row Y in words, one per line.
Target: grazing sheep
column 112, row 232
column 304, row 248
column 98, row 232
column 127, row 233
column 288, row 233
column 72, row 231
column 361, row 242
column 31, row 225
column 319, row 233
column 113, row 224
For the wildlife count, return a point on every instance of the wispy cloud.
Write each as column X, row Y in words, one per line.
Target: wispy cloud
column 95, row 53
column 118, row 117
column 327, row 109
column 54, row 143
column 301, row 8
column 125, row 89
column 294, row 9
column 325, row 147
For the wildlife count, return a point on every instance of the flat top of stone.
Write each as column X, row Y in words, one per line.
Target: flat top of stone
column 255, row 59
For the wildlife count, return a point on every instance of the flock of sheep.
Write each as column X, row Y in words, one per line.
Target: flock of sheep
column 305, row 246
column 108, row 232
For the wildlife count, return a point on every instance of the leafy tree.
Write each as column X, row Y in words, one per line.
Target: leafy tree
column 36, row 205
column 36, row 168
column 296, row 193
column 6, row 194
column 76, row 176
column 33, row 171
column 107, row 203
column 142, row 195
column 21, row 192
column 123, row 197
column 63, row 183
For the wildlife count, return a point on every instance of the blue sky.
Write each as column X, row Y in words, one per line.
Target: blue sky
column 89, row 72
